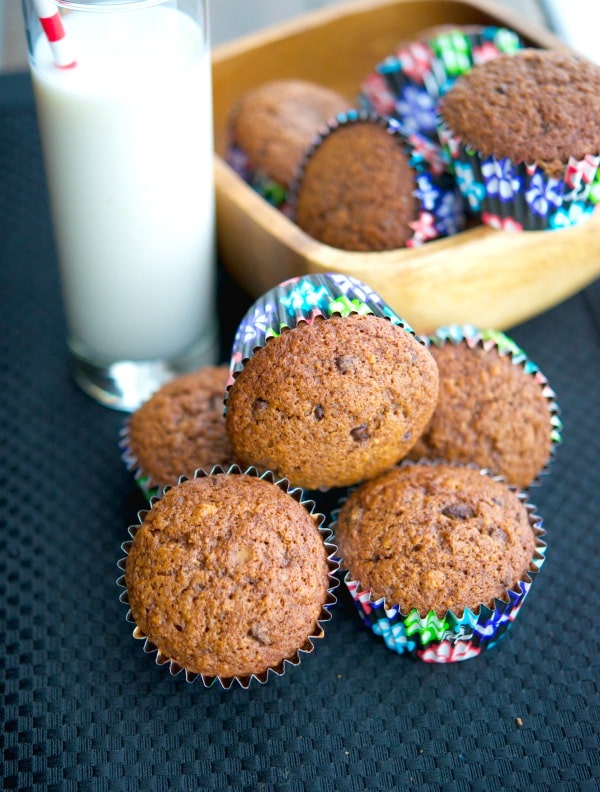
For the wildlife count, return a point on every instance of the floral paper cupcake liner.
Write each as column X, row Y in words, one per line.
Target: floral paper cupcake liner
column 408, row 84
column 517, row 196
column 441, row 210
column 303, row 299
column 175, row 669
column 505, row 346
column 450, row 637
column 273, row 192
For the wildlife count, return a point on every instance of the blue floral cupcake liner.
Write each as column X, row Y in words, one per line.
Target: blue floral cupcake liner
column 517, row 196
column 451, row 637
column 325, row 616
column 409, row 84
column 494, row 339
column 303, row 299
column 441, row 209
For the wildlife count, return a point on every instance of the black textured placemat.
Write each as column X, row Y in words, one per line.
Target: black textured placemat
column 83, row 707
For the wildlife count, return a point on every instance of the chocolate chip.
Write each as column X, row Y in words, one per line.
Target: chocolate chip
column 319, row 412
column 344, row 363
column 458, row 511
column 360, row 433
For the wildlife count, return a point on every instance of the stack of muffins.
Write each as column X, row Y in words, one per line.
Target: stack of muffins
column 459, row 126
column 430, row 445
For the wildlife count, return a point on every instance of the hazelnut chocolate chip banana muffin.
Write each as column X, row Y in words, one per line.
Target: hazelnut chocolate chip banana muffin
column 180, row 428
column 494, row 410
column 435, row 538
column 228, row 576
column 333, row 401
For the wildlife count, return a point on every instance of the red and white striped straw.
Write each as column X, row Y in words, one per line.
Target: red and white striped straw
column 55, row 33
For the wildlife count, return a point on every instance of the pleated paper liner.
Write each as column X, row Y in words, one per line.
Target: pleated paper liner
column 449, row 637
column 487, row 340
column 442, row 209
column 517, row 196
column 308, row 646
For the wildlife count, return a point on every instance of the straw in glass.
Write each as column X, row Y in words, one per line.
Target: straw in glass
column 55, row 33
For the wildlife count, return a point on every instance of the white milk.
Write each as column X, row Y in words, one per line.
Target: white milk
column 128, row 148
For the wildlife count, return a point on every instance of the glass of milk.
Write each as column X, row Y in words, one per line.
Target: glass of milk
column 124, row 107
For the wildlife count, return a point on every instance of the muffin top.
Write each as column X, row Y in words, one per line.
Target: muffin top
column 490, row 412
column 435, row 538
column 332, row 402
column 533, row 106
column 227, row 575
column 356, row 189
column 275, row 123
column 182, row 427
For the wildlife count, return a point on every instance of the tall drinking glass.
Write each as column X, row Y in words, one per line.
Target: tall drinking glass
column 124, row 105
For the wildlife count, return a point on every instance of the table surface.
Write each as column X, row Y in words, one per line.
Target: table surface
column 85, row 709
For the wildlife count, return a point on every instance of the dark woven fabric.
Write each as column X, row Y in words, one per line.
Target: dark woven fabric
column 85, row 709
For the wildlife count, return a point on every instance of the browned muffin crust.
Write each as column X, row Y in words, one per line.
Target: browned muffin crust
column 490, row 412
column 435, row 538
column 356, row 190
column 182, row 427
column 227, row 575
column 332, row 402
column 275, row 123
column 534, row 106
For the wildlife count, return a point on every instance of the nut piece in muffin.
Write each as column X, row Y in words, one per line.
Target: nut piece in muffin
column 436, row 538
column 271, row 125
column 494, row 410
column 228, row 576
column 333, row 401
column 180, row 428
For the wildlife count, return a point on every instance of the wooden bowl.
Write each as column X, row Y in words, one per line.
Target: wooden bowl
column 482, row 276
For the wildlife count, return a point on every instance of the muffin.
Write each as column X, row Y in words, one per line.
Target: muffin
column 229, row 576
column 271, row 126
column 328, row 385
column 439, row 557
column 408, row 84
column 178, row 429
column 362, row 186
column 495, row 408
column 523, row 132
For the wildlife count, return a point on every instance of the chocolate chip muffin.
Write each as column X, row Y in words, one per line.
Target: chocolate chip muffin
column 180, row 428
column 435, row 538
column 228, row 576
column 494, row 409
column 534, row 106
column 271, row 126
column 363, row 187
column 333, row 401
column 522, row 132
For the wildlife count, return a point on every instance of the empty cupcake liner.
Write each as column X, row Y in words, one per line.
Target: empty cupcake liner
column 449, row 638
column 441, row 210
column 303, row 299
column 175, row 669
column 494, row 339
column 408, row 84
column 517, row 196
